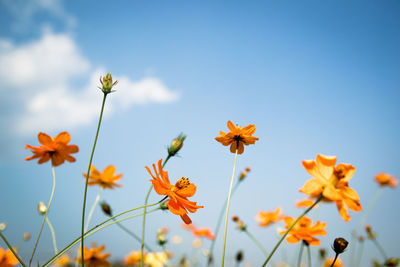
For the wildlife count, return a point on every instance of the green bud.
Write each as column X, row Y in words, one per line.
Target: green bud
column 176, row 145
column 107, row 83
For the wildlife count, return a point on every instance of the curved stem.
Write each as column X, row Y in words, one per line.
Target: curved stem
column 12, row 250
column 144, row 216
column 227, row 206
column 87, row 178
column 53, row 235
column 93, row 208
column 309, row 255
column 290, row 228
column 333, row 262
column 300, row 254
column 257, row 243
column 45, row 215
column 380, row 248
column 92, row 231
column 216, row 231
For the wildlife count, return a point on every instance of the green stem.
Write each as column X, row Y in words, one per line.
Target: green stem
column 53, row 235
column 309, row 255
column 93, row 208
column 129, row 232
column 380, row 248
column 92, row 231
column 333, row 262
column 300, row 254
column 12, row 250
column 290, row 228
column 144, row 216
column 256, row 242
column 227, row 206
column 216, row 231
column 87, row 178
column 360, row 252
column 44, row 215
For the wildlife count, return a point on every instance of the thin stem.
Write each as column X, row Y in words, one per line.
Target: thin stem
column 360, row 252
column 44, row 215
column 144, row 216
column 290, row 228
column 12, row 250
column 97, row 199
column 87, row 177
column 300, row 254
column 53, row 235
column 333, row 262
column 129, row 232
column 309, row 255
column 256, row 242
column 92, row 231
column 227, row 206
column 380, row 248
column 216, row 231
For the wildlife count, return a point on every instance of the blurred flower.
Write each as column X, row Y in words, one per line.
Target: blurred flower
column 237, row 137
column 56, row 149
column 392, row 262
column 42, row 209
column 339, row 245
column 197, row 243
column 176, row 145
column 304, row 230
column 178, row 203
column 370, row 234
column 244, row 173
column 384, row 179
column 161, row 237
column 176, row 239
column 3, row 226
column 332, row 183
column 7, row 258
column 240, row 224
column 322, row 253
column 329, row 261
column 133, row 258
column 305, row 203
column 107, row 83
column 106, row 179
column 239, row 256
column 106, row 208
column 265, row 218
column 93, row 257
column 200, row 232
column 62, row 261
column 158, row 259
column 26, row 236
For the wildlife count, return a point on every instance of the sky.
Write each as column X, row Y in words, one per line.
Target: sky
column 312, row 76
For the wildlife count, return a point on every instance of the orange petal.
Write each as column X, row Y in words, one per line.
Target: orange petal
column 331, row 193
column 44, row 139
column 343, row 210
column 186, row 219
column 311, row 187
column 188, row 191
column 63, row 137
column 241, row 148
column 176, row 208
column 231, row 126
column 233, row 147
column 292, row 239
column 326, row 165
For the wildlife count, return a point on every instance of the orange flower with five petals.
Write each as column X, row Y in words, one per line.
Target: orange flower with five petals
column 178, row 203
column 332, row 183
column 94, row 257
column 105, row 179
column 384, row 179
column 7, row 258
column 56, row 149
column 304, row 230
column 266, row 218
column 237, row 137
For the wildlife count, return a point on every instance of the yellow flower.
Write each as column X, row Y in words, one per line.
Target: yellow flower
column 156, row 259
column 237, row 137
column 106, row 179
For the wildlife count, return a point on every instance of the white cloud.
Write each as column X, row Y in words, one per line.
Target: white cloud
column 40, row 73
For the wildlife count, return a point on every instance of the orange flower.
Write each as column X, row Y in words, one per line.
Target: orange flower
column 106, row 179
column 133, row 258
column 93, row 257
column 237, row 137
column 265, row 218
column 384, row 179
column 56, row 149
column 332, row 183
column 305, row 203
column 62, row 261
column 329, row 261
column 200, row 232
column 178, row 203
column 7, row 258
column 304, row 230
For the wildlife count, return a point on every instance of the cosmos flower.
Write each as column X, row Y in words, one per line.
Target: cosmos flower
column 94, row 257
column 304, row 230
column 237, row 137
column 332, row 183
column 200, row 232
column 266, row 218
column 56, row 149
column 178, row 203
column 106, row 179
column 133, row 258
column 384, row 179
column 62, row 261
column 7, row 258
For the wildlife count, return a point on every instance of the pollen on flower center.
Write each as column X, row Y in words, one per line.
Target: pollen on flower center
column 181, row 183
column 339, row 172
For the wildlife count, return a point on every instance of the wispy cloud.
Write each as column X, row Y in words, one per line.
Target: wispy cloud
column 40, row 74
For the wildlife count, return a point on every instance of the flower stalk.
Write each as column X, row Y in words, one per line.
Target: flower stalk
column 12, row 250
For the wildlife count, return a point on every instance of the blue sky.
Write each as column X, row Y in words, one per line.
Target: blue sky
column 314, row 77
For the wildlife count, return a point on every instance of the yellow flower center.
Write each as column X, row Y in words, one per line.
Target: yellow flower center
column 180, row 184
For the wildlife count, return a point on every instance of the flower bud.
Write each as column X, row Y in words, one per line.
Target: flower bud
column 239, row 256
column 3, row 226
column 392, row 262
column 27, row 236
column 106, row 208
column 361, row 238
column 239, row 223
column 243, row 174
column 42, row 209
column 370, row 233
column 339, row 245
column 164, row 205
column 176, row 145
column 161, row 237
column 322, row 253
column 107, row 83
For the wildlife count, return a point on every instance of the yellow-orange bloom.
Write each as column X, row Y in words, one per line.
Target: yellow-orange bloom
column 332, row 183
column 266, row 218
column 178, row 203
column 304, row 230
column 94, row 257
column 156, row 259
column 56, row 149
column 133, row 258
column 305, row 203
column 200, row 232
column 7, row 258
column 62, row 261
column 384, row 179
column 237, row 137
column 329, row 261
column 106, row 179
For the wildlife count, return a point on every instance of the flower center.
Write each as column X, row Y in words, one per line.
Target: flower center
column 180, row 184
column 340, row 172
column 237, row 138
